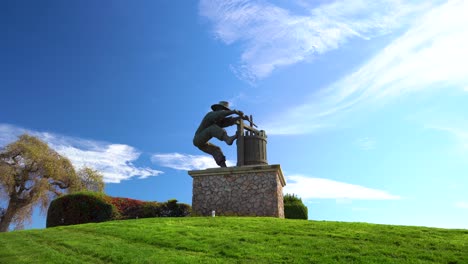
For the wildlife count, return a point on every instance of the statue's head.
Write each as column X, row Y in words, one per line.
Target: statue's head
column 222, row 105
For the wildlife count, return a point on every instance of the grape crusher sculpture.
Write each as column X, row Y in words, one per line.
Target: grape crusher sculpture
column 251, row 143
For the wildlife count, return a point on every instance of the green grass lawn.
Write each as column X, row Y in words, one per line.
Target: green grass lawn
column 234, row 240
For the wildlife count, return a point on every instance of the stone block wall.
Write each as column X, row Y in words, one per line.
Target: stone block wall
column 239, row 191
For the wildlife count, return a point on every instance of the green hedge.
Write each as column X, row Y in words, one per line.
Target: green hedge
column 295, row 211
column 91, row 207
column 79, row 208
column 170, row 208
column 294, row 208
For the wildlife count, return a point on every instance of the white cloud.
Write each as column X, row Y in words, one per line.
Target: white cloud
column 365, row 143
column 431, row 54
column 460, row 133
column 114, row 161
column 10, row 133
column 234, row 101
column 179, row 161
column 274, row 37
column 463, row 205
column 319, row 188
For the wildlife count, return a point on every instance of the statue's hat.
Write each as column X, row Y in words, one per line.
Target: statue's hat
column 221, row 105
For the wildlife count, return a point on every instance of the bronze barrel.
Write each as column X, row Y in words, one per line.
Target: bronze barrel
column 255, row 152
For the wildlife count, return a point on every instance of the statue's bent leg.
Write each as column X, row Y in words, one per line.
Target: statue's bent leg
column 221, row 134
column 201, row 141
column 216, row 152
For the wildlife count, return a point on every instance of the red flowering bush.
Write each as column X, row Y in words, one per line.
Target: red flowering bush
column 125, row 206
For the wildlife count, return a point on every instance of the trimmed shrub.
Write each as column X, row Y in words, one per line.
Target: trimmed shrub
column 294, row 208
column 80, row 208
column 172, row 208
column 149, row 209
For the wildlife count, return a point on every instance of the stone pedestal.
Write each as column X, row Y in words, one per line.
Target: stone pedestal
column 255, row 190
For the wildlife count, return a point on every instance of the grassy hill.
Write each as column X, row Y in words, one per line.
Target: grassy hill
column 234, row 240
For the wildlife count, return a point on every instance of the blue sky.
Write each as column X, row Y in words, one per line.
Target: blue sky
column 364, row 102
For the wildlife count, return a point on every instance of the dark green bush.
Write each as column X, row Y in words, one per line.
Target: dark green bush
column 154, row 209
column 294, row 208
column 172, row 208
column 80, row 208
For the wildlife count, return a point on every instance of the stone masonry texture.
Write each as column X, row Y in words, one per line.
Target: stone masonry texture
column 239, row 191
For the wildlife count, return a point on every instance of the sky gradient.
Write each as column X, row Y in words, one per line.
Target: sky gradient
column 365, row 103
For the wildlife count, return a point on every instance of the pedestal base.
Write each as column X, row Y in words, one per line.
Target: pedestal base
column 255, row 190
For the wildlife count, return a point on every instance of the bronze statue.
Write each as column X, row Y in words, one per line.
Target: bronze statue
column 212, row 126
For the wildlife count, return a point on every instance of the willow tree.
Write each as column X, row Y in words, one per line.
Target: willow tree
column 91, row 180
column 32, row 174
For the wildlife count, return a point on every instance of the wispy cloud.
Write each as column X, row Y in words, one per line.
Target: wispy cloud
column 431, row 54
column 365, row 143
column 319, row 188
column 9, row 133
column 187, row 162
column 114, row 161
column 460, row 133
column 274, row 36
column 463, row 205
column 234, row 101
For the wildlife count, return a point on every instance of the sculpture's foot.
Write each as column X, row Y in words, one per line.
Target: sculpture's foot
column 230, row 140
column 221, row 161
